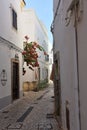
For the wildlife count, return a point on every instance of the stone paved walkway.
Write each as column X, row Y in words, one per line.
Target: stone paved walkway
column 32, row 112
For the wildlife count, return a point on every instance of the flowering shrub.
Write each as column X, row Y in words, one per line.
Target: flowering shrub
column 30, row 54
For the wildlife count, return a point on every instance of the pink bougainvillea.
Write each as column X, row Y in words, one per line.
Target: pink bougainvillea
column 30, row 53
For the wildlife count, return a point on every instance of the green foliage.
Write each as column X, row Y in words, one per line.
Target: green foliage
column 43, row 84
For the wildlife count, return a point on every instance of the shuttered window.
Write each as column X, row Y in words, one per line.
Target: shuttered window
column 14, row 19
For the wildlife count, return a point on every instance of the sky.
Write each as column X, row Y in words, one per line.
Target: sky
column 44, row 11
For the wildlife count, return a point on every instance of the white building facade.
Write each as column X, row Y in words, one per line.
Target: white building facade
column 69, row 47
column 36, row 31
column 10, row 51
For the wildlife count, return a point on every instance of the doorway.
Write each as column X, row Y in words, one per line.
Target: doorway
column 15, row 80
column 57, row 88
column 67, row 118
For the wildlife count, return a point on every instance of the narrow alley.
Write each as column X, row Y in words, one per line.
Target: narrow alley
column 34, row 111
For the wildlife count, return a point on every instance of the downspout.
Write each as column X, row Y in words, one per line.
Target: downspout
column 77, row 59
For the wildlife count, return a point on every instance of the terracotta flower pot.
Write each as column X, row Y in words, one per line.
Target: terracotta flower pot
column 31, row 86
column 35, row 85
column 25, row 86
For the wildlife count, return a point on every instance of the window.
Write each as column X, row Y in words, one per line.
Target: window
column 47, row 58
column 14, row 19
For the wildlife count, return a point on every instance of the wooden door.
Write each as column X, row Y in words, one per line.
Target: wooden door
column 15, row 80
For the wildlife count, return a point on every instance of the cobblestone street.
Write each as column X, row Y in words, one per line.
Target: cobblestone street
column 32, row 112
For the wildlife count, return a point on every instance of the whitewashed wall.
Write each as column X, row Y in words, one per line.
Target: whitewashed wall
column 6, row 29
column 82, row 50
column 36, row 32
column 64, row 42
column 42, row 39
column 5, row 63
column 10, row 44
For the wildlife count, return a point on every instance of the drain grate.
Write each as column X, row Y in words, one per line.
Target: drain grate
column 22, row 118
column 45, row 126
column 14, row 126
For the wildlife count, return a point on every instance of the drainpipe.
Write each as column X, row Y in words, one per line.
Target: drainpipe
column 76, row 40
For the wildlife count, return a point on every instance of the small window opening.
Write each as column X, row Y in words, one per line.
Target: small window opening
column 14, row 19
